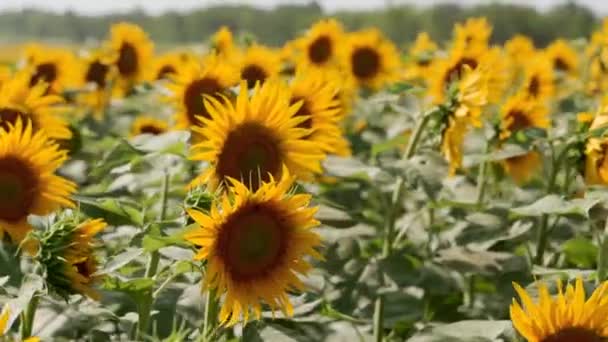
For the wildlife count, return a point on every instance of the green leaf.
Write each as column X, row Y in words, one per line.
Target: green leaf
column 122, row 153
column 469, row 331
column 138, row 289
column 120, row 260
column 581, row 252
column 556, row 205
column 391, row 144
column 113, row 211
column 485, row 262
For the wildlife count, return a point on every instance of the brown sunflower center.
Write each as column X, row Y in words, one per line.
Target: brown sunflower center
column 520, row 121
column 534, row 86
column 320, row 50
column 46, row 72
column 303, row 111
column 97, row 73
column 250, row 152
column 574, row 335
column 127, row 60
column 18, row 187
column 455, row 72
column 151, row 129
column 365, row 62
column 8, row 118
column 252, row 74
column 86, row 268
column 252, row 242
column 560, row 64
column 193, row 97
column 165, row 72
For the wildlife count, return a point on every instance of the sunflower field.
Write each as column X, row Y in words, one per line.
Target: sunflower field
column 338, row 188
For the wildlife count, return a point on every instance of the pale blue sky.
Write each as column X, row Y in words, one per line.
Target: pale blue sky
column 93, row 7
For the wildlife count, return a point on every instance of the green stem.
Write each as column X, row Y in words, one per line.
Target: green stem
column 543, row 236
column 145, row 307
column 471, row 291
column 211, row 315
column 481, row 179
column 28, row 317
column 416, row 135
column 387, row 249
column 602, row 258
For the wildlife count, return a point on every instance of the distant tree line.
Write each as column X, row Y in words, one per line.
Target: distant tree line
column 274, row 27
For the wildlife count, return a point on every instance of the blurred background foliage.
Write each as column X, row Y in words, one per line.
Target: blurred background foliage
column 275, row 26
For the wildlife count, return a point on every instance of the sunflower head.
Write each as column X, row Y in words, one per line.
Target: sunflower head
column 258, row 63
column 538, row 80
column 370, row 58
column 254, row 243
column 448, row 70
column 421, row 53
column 96, row 74
column 566, row 317
column 473, row 35
column 520, row 49
column 563, row 57
column 452, row 140
column 166, row 66
column 20, row 101
column 133, row 51
column 252, row 139
column 320, row 46
column 319, row 98
column 596, row 151
column 28, row 184
column 66, row 253
column 148, row 125
column 52, row 66
column 213, row 77
column 223, row 42
column 471, row 95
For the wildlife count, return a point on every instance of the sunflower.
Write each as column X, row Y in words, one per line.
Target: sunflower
column 132, row 50
column 371, row 59
column 28, row 184
column 473, row 35
column 53, row 66
column 452, row 140
column 450, row 69
column 520, row 49
column 212, row 77
column 562, row 56
column 97, row 72
column 518, row 113
column 538, row 79
column 254, row 137
column 20, row 101
column 320, row 103
column 566, row 317
column 66, row 251
column 320, row 46
column 5, row 74
column 257, row 64
column 223, row 42
column 596, row 151
column 166, row 66
column 255, row 246
column 422, row 53
column 148, row 125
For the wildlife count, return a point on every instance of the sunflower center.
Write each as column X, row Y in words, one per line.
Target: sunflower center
column 320, row 50
column 18, row 186
column 46, row 72
column 127, row 60
column 97, row 74
column 303, row 111
column 520, row 121
column 560, row 64
column 534, row 86
column 165, row 72
column 455, row 72
column 193, row 97
column 151, row 129
column 574, row 335
column 252, row 74
column 365, row 62
column 252, row 242
column 85, row 268
column 8, row 118
column 250, row 153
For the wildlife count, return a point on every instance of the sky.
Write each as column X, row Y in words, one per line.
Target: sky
column 95, row 7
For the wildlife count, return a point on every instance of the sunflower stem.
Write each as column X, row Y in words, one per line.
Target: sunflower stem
column 543, row 230
column 28, row 316
column 602, row 257
column 416, row 135
column 387, row 249
column 211, row 315
column 481, row 179
column 145, row 307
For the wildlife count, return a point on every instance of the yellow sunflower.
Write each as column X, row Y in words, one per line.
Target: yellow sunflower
column 596, row 151
column 5, row 74
column 28, row 184
column 371, row 59
column 258, row 63
column 520, row 49
column 568, row 316
column 320, row 103
column 97, row 72
column 473, row 35
column 66, row 251
column 255, row 137
column 133, row 51
column 166, row 66
column 538, row 79
column 20, row 101
column 563, row 57
column 520, row 112
column 212, row 77
column 319, row 47
column 255, row 244
column 422, row 53
column 148, row 125
column 53, row 66
column 450, row 69
column 223, row 42
column 452, row 140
